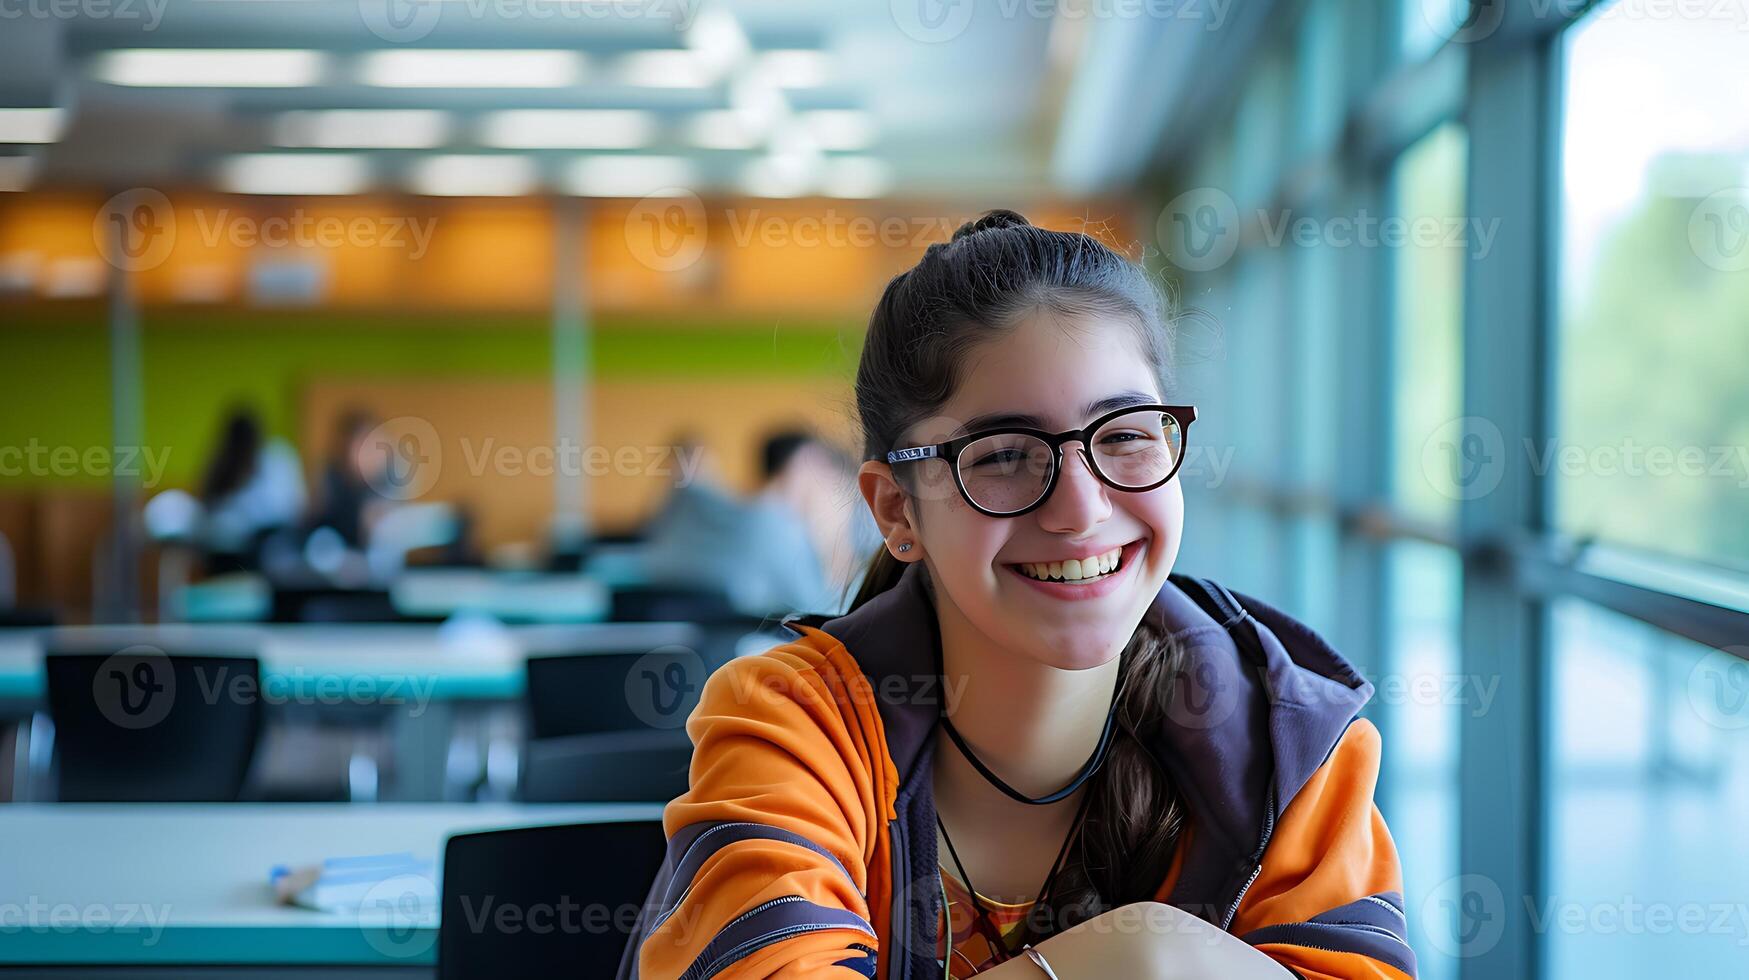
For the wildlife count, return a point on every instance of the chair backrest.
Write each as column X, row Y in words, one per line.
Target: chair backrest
column 138, row 725
column 649, row 766
column 656, row 603
column 585, row 693
column 544, row 902
column 323, row 604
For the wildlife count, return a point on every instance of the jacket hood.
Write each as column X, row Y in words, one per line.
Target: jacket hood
column 1261, row 702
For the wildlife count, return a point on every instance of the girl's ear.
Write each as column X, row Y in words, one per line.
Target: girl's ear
column 888, row 502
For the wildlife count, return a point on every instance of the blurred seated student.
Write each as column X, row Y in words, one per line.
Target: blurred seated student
column 347, row 501
column 253, row 486
column 760, row 549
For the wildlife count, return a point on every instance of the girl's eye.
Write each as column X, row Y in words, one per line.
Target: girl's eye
column 1122, row 437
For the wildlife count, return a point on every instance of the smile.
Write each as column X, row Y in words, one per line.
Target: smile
column 1084, row 577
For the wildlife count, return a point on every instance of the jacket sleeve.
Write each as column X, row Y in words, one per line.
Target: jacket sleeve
column 1328, row 901
column 769, row 845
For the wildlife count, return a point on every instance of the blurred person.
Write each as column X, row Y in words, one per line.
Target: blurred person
column 253, row 486
column 1074, row 763
column 759, row 550
column 687, row 445
column 347, row 500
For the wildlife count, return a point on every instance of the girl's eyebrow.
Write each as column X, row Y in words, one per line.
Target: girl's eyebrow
column 1109, row 403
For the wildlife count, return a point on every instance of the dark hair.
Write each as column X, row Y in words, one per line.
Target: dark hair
column 234, row 460
column 779, row 448
column 963, row 293
column 352, row 423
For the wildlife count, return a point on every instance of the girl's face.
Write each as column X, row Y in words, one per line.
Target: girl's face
column 1044, row 369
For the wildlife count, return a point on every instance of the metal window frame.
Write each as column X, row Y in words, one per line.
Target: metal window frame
column 1503, row 755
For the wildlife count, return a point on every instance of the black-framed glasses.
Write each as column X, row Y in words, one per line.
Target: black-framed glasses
column 1010, row 471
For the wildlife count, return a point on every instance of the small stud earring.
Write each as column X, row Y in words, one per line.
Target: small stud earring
column 905, row 547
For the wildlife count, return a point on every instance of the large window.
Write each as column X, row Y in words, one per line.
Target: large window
column 1543, row 343
column 1654, row 284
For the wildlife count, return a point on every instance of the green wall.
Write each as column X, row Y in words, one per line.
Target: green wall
column 54, row 366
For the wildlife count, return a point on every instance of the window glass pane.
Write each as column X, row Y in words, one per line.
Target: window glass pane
column 1427, row 365
column 1313, row 601
column 1258, row 133
column 1318, row 88
column 1418, row 703
column 1317, row 362
column 1257, row 369
column 1254, row 536
column 1650, row 773
column 1653, row 411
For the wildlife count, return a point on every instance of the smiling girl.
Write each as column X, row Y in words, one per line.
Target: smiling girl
column 1028, row 749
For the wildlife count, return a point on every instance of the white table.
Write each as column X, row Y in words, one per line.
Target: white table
column 188, row 883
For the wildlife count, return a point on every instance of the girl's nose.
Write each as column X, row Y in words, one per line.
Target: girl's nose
column 1079, row 502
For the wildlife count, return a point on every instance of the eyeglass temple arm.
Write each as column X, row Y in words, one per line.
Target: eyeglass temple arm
column 918, row 452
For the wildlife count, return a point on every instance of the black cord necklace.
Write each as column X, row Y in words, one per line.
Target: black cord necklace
column 982, row 920
column 1092, row 765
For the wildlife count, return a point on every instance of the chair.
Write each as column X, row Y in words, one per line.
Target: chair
column 152, row 727
column 544, row 902
column 654, row 603
column 333, row 604
column 585, row 693
column 648, row 766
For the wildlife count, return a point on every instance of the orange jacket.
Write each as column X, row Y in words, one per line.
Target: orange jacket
column 805, row 846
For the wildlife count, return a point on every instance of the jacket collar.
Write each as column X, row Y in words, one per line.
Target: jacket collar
column 1249, row 722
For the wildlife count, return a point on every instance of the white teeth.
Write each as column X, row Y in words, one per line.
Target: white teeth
column 1074, row 569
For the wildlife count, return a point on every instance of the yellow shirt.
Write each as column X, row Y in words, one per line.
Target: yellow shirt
column 971, row 951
